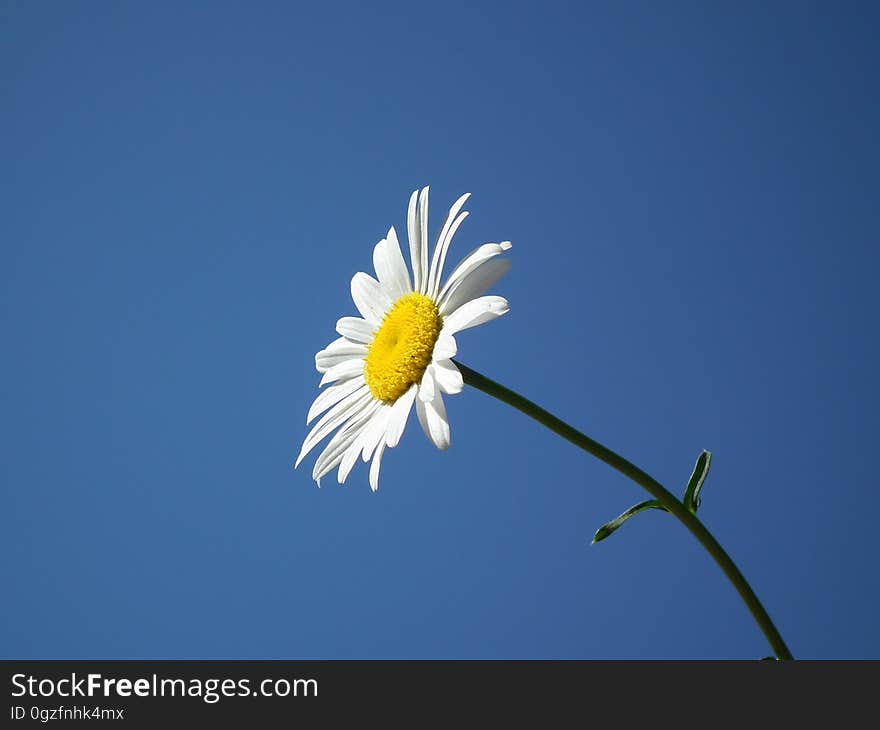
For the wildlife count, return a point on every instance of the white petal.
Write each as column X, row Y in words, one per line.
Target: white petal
column 398, row 417
column 471, row 262
column 380, row 265
column 415, row 240
column 333, row 395
column 448, row 377
column 474, row 284
column 475, row 312
column 423, row 222
column 427, row 387
column 397, row 261
column 342, row 441
column 338, row 351
column 390, row 266
column 344, row 370
column 374, row 467
column 432, row 416
column 333, row 454
column 444, row 240
column 375, row 432
column 333, row 418
column 445, row 347
column 356, row 329
column 349, row 458
column 370, row 298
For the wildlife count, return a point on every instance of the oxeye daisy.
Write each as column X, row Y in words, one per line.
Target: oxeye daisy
column 398, row 352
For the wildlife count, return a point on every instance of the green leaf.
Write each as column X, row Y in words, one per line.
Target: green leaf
column 610, row 527
column 695, row 484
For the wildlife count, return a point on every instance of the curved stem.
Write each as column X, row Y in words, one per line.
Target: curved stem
column 651, row 485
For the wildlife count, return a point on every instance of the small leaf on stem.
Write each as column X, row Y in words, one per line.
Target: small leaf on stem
column 695, row 484
column 610, row 527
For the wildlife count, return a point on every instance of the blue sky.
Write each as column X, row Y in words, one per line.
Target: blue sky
column 691, row 191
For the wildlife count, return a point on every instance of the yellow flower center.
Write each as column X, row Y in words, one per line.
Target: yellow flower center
column 402, row 347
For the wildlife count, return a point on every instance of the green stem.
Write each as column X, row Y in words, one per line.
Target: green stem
column 651, row 485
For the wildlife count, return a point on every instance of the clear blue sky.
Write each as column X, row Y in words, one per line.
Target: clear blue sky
column 187, row 189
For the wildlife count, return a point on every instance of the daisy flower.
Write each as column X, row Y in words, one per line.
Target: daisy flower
column 397, row 354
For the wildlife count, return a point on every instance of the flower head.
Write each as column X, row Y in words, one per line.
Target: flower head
column 398, row 352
